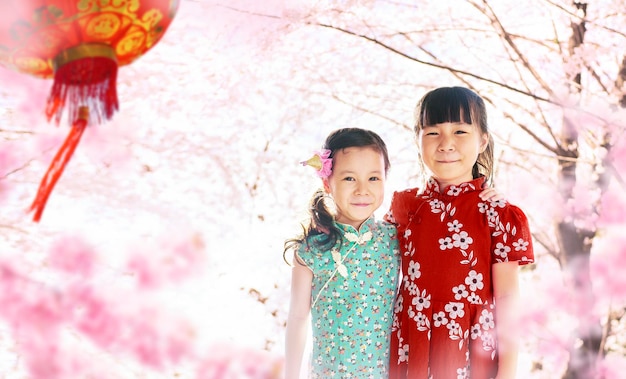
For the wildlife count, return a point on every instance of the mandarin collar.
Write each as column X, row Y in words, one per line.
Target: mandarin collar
column 366, row 226
column 432, row 187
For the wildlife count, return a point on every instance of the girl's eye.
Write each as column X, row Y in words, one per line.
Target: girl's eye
column 374, row 178
column 461, row 132
column 349, row 179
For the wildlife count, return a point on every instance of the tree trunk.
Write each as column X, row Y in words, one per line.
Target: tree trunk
column 621, row 80
column 576, row 242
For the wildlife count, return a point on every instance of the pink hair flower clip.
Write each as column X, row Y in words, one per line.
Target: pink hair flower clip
column 321, row 163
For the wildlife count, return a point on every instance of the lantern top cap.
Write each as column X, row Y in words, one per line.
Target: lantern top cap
column 85, row 50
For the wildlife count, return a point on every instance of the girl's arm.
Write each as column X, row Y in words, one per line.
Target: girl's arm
column 298, row 319
column 506, row 292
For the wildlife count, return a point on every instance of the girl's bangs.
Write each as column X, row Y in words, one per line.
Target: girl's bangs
column 446, row 108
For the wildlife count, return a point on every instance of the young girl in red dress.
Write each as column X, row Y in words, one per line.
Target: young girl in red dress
column 454, row 313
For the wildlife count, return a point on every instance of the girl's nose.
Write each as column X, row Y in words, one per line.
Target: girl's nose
column 361, row 188
column 446, row 144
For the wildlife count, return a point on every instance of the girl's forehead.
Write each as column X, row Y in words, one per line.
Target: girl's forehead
column 355, row 150
column 357, row 157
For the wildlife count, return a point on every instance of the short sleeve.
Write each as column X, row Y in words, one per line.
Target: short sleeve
column 401, row 203
column 305, row 255
column 511, row 238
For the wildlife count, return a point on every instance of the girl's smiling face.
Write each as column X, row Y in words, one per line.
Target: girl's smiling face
column 357, row 184
column 449, row 150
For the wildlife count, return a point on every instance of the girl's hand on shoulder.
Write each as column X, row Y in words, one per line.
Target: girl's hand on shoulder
column 491, row 194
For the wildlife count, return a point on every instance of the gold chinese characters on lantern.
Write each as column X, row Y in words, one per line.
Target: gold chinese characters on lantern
column 81, row 44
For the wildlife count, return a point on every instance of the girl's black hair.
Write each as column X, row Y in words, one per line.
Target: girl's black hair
column 322, row 220
column 458, row 104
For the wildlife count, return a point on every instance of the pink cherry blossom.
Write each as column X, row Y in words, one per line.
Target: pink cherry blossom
column 72, row 255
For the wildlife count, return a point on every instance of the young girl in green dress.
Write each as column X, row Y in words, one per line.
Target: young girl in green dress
column 345, row 266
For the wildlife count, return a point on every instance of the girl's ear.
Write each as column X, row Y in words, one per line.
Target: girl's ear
column 326, row 185
column 484, row 141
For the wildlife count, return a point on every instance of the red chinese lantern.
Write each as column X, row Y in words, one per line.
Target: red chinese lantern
column 81, row 44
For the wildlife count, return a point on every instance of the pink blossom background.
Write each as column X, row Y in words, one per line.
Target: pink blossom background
column 159, row 253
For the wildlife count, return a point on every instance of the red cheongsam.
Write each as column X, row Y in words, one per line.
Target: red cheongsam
column 444, row 323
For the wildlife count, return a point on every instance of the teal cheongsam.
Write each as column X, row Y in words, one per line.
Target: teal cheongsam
column 352, row 296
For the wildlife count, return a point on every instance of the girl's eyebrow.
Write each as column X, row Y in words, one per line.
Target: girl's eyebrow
column 345, row 172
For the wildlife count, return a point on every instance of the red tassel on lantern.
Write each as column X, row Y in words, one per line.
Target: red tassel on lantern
column 59, row 162
column 85, row 75
column 84, row 81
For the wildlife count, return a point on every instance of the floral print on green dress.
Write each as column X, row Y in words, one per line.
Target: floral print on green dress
column 353, row 291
